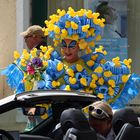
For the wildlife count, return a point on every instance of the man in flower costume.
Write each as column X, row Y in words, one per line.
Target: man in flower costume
column 75, row 32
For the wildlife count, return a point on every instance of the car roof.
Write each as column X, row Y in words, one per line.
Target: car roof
column 31, row 98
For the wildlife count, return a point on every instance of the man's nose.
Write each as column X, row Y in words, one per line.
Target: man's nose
column 67, row 50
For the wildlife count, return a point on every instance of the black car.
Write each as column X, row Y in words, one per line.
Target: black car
column 19, row 104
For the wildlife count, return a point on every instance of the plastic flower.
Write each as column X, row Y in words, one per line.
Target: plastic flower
column 116, row 61
column 45, row 63
column 125, row 78
column 37, row 62
column 74, row 25
column 112, row 83
column 100, row 95
column 55, row 84
column 83, row 81
column 127, row 62
column 16, row 55
column 67, row 88
column 59, row 66
column 90, row 63
column 94, row 76
column 111, row 91
column 93, row 85
column 85, row 28
column 72, row 80
column 23, row 62
column 43, row 48
column 30, row 69
column 70, row 72
column 99, row 69
column 101, row 81
column 79, row 67
column 107, row 74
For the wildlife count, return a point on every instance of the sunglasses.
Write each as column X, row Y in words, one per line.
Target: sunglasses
column 101, row 113
column 72, row 44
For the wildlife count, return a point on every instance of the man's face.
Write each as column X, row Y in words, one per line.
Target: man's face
column 32, row 40
column 70, row 50
column 101, row 126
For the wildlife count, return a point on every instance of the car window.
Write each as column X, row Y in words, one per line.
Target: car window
column 15, row 120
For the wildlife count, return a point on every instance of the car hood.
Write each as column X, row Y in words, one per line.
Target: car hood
column 31, row 98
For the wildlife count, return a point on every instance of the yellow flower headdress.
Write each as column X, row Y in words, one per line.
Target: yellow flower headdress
column 83, row 26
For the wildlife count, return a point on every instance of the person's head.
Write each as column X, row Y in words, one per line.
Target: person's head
column 107, row 12
column 70, row 50
column 100, row 117
column 33, row 36
column 83, row 25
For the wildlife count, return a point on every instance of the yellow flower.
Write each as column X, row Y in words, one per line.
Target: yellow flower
column 85, row 28
column 33, row 53
column 67, row 88
column 46, row 31
column 16, row 55
column 100, row 95
column 26, row 56
column 91, row 44
column 100, row 49
column 41, row 55
column 92, row 31
column 74, row 25
column 83, row 81
column 56, row 29
column 75, row 37
column 56, row 42
column 94, row 57
column 99, row 69
column 23, row 62
column 72, row 80
column 83, row 44
column 90, row 63
column 111, row 91
column 81, row 12
column 43, row 48
column 71, row 12
column 92, row 84
column 95, row 15
column 101, row 81
column 116, row 61
column 45, row 63
column 67, row 24
column 112, row 83
column 88, row 50
column 55, row 83
column 127, row 62
column 79, row 67
column 95, row 77
column 61, row 13
column 64, row 33
column 59, row 66
column 89, row 14
column 103, row 61
column 98, row 38
column 125, row 78
column 70, row 72
column 47, row 56
column 107, row 74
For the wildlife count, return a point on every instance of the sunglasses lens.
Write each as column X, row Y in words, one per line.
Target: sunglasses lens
column 99, row 111
column 91, row 108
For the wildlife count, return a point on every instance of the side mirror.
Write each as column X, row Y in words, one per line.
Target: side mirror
column 34, row 111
